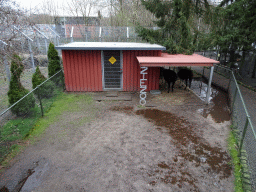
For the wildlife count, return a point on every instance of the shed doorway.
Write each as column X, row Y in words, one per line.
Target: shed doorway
column 112, row 70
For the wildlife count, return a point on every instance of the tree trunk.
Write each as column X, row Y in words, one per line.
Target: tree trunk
column 241, row 71
column 232, row 55
column 254, row 68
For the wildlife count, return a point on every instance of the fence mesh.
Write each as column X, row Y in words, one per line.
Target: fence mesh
column 25, row 81
column 104, row 34
column 248, row 154
column 246, row 141
column 250, row 150
column 15, row 127
column 244, row 131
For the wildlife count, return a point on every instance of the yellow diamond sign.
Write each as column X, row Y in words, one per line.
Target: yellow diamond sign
column 112, row 60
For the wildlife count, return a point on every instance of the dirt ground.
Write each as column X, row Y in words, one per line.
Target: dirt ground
column 167, row 146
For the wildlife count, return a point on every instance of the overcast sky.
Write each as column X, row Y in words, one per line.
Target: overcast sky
column 38, row 4
column 28, row 3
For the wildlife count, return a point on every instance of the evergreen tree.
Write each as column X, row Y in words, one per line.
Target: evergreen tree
column 45, row 90
column 17, row 91
column 54, row 60
column 234, row 28
column 54, row 65
column 177, row 30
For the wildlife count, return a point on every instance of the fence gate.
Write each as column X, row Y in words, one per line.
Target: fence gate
column 112, row 77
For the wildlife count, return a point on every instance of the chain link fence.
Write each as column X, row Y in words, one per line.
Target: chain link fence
column 225, row 78
column 101, row 34
column 13, row 127
column 245, row 134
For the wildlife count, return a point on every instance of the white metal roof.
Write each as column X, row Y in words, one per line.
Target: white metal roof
column 110, row 46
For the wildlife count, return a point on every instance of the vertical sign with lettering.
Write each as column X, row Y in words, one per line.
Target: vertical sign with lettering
column 143, row 86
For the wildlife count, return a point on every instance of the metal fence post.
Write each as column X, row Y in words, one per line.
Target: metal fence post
column 46, row 47
column 100, row 35
column 127, row 35
column 7, row 69
column 71, row 34
column 209, row 86
column 57, row 40
column 31, row 55
column 22, row 47
column 37, row 41
column 243, row 135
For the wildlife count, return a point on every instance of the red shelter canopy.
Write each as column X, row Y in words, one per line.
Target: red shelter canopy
column 175, row 60
column 179, row 60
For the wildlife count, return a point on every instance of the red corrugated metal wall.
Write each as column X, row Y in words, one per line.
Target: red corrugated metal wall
column 131, row 71
column 82, row 70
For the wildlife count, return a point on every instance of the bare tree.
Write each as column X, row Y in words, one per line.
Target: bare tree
column 81, row 12
column 129, row 13
column 80, row 8
column 13, row 19
column 51, row 8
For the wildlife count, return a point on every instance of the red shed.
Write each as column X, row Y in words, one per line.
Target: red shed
column 101, row 66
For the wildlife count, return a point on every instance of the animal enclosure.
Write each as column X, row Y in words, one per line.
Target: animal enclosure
column 103, row 66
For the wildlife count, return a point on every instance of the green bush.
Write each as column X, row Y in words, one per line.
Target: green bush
column 54, row 60
column 52, row 53
column 59, row 79
column 25, row 106
column 17, row 91
column 54, row 65
column 46, row 90
column 37, row 78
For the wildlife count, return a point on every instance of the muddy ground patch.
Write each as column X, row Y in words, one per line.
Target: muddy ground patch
column 125, row 148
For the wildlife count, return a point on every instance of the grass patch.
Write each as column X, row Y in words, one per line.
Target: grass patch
column 65, row 102
column 232, row 146
column 31, row 127
column 14, row 150
column 20, row 128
